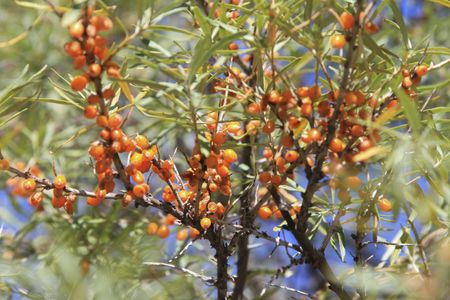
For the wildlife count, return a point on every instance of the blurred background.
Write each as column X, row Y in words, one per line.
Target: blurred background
column 46, row 255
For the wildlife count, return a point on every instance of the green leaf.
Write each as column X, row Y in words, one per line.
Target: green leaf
column 399, row 19
column 205, row 49
column 409, row 108
column 445, row 3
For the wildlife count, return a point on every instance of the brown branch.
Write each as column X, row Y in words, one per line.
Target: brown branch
column 315, row 257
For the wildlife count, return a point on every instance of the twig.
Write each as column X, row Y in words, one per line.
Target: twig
column 206, row 279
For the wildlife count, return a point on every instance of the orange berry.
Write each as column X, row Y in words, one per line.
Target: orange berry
column 29, row 185
column 338, row 41
column 79, row 83
column 141, row 141
column 93, row 201
column 220, row 137
column 115, row 121
column 291, row 156
column 421, row 70
column 385, row 205
column 138, row 177
column 344, row 195
column 36, row 198
column 139, row 190
column 230, row 156
column 152, row 228
column 353, row 182
column 93, row 99
column 287, row 141
column 4, row 164
column 306, row 109
column 182, row 235
column 264, row 212
column 77, row 30
column 73, row 48
column 194, row 233
column 205, row 223
column 315, row 135
column 163, row 231
column 233, row 46
column 264, row 177
column 90, row 111
column 267, row 153
column 94, row 70
column 108, row 94
column 337, row 145
column 223, row 171
column 276, row 180
column 79, row 61
column 357, row 130
column 269, row 127
column 347, row 20
column 211, row 161
column 60, row 182
column 59, row 201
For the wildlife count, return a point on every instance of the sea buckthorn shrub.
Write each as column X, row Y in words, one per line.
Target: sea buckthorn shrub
column 228, row 149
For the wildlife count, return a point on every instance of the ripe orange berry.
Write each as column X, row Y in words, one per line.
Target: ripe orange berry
column 97, row 150
column 276, row 180
column 291, row 156
column 93, row 201
column 60, row 182
column 421, row 70
column 79, row 61
column 385, row 205
column 115, row 121
column 29, row 185
column 36, row 198
column 77, row 30
column 357, row 130
column 306, row 109
column 94, row 70
column 205, row 223
column 344, row 195
column 182, row 235
column 4, row 164
column 287, row 141
column 229, row 155
column 315, row 135
column 264, row 177
column 152, row 228
column 338, row 41
column 223, row 171
column 139, row 190
column 79, row 83
column 108, row 94
column 58, row 201
column 347, row 20
column 141, row 141
column 194, row 233
column 90, row 111
column 163, row 231
column 269, row 127
column 264, row 212
column 267, row 153
column 73, row 48
column 353, row 182
column 138, row 177
column 233, row 46
column 253, row 108
column 365, row 144
column 337, row 145
column 211, row 161
column 219, row 138
column 93, row 99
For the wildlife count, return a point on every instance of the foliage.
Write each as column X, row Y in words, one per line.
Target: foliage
column 341, row 134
